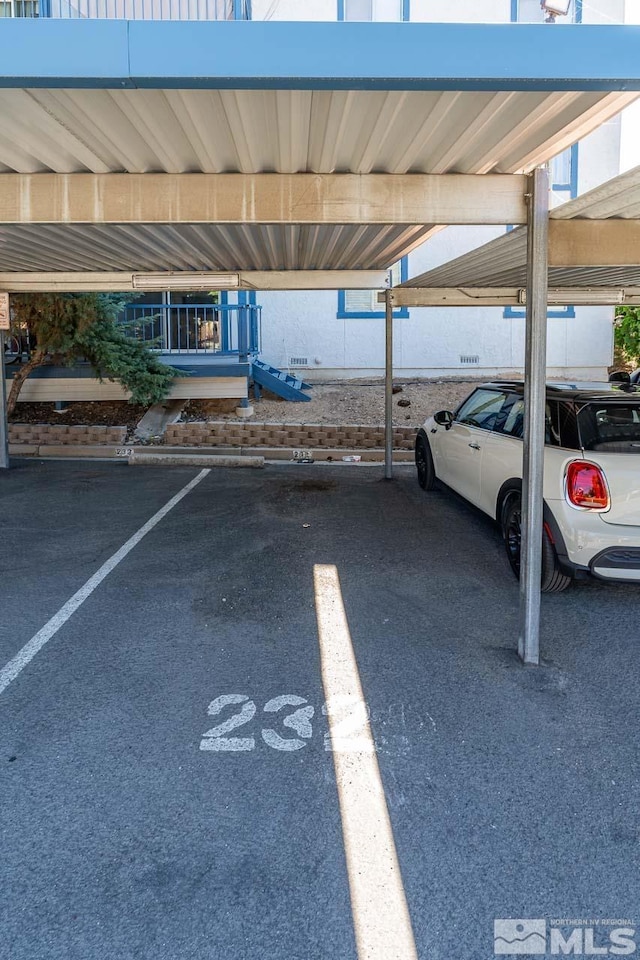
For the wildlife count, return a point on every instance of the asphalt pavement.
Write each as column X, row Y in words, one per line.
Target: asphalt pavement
column 128, row 831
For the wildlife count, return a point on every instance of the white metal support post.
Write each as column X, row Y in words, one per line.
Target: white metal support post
column 388, row 387
column 5, row 318
column 534, row 416
column 4, row 427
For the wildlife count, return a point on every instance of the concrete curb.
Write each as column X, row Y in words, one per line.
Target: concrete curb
column 193, row 460
column 181, row 454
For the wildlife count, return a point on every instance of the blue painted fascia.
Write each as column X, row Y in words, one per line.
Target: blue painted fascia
column 97, row 52
column 329, row 55
column 193, row 368
column 192, row 365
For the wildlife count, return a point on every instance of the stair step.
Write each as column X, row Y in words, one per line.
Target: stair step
column 282, row 384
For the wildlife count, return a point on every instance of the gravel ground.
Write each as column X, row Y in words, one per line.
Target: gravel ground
column 346, row 401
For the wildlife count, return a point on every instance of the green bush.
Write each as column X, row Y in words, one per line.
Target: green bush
column 627, row 335
column 69, row 327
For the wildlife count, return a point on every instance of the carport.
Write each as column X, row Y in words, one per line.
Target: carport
column 262, row 156
column 588, row 252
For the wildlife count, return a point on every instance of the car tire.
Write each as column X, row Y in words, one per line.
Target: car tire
column 553, row 579
column 424, row 464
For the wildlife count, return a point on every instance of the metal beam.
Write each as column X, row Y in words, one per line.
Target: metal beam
column 453, row 296
column 269, row 198
column 509, row 296
column 534, row 418
column 247, row 280
column 594, row 243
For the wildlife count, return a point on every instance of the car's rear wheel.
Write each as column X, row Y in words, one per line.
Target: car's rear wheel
column 553, row 579
column 424, row 464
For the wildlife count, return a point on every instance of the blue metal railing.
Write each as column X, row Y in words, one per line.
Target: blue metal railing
column 202, row 328
column 19, row 8
column 129, row 9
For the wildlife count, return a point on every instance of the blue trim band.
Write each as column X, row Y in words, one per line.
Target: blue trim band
column 307, row 56
column 561, row 313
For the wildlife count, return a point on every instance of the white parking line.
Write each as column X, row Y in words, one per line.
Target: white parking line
column 380, row 914
column 37, row 642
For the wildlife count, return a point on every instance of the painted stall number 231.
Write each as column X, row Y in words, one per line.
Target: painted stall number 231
column 348, row 714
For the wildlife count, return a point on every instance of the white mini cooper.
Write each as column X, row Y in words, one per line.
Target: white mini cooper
column 591, row 473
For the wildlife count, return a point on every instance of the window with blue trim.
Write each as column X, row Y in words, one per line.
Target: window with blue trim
column 563, row 180
column 363, row 304
column 384, row 10
column 563, row 176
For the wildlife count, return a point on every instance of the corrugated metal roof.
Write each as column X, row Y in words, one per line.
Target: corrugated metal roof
column 254, row 131
column 502, row 262
column 160, row 247
column 616, row 199
column 290, row 131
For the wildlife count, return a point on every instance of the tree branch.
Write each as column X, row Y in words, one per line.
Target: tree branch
column 37, row 359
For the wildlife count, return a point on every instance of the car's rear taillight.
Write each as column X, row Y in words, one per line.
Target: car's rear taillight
column 586, row 486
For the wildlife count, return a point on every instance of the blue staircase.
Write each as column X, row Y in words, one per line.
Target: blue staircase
column 278, row 382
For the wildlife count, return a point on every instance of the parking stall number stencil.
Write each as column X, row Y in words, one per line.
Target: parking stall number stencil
column 287, row 724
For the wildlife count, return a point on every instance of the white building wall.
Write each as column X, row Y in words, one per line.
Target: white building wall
column 460, row 11
column 431, row 342
column 294, row 9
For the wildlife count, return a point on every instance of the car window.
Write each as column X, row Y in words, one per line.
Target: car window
column 482, row 409
column 610, row 426
column 514, row 423
column 511, row 421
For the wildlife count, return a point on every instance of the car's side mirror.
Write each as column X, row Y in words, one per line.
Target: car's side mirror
column 444, row 418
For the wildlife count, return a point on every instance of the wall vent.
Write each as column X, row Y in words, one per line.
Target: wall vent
column 298, row 361
column 469, row 358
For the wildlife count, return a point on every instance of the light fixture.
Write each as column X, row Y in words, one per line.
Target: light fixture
column 585, row 296
column 555, row 8
column 185, row 281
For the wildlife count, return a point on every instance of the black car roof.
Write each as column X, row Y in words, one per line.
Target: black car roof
column 577, row 390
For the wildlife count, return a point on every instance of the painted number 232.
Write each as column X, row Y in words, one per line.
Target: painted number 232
column 293, row 714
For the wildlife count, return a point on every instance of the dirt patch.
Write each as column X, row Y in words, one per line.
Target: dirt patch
column 116, row 413
column 209, row 410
